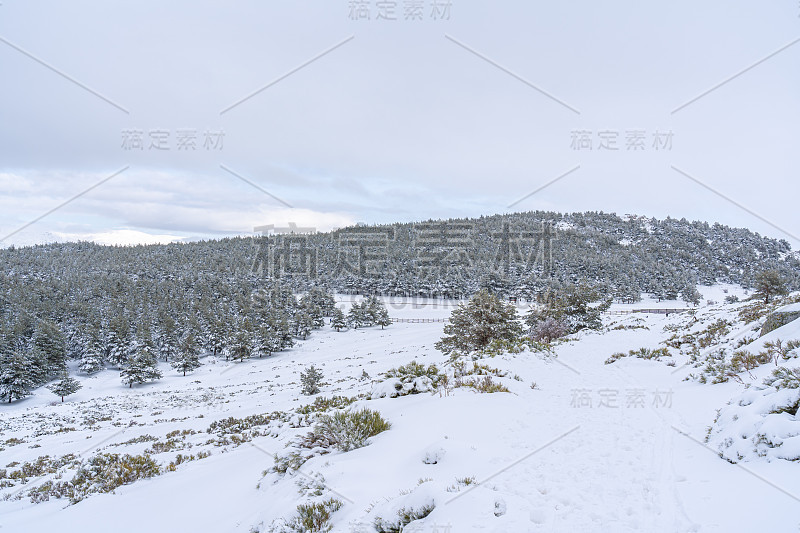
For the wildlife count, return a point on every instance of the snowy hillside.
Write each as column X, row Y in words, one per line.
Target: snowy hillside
column 577, row 443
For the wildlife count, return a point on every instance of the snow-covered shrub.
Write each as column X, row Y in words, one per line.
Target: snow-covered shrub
column 404, row 517
column 348, row 430
column 322, row 404
column 396, row 515
column 484, row 385
column 107, row 471
column 314, row 517
column 761, row 422
column 407, row 373
column 412, row 378
column 548, row 330
column 641, row 353
column 784, row 378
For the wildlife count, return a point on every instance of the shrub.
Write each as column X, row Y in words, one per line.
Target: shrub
column 784, row 378
column 412, row 370
column 106, row 471
column 485, row 385
column 322, row 404
column 549, row 330
column 348, row 430
column 404, row 517
column 314, row 517
column 641, row 353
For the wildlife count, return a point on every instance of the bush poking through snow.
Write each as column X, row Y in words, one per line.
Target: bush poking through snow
column 784, row 378
column 311, row 380
column 641, row 353
column 407, row 373
column 404, row 517
column 485, row 385
column 107, row 471
column 349, row 430
column 314, row 517
column 322, row 404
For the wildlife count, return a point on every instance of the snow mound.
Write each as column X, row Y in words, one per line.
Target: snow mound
column 761, row 422
column 394, row 387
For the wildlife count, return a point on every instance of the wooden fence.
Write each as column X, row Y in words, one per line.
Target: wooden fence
column 420, row 320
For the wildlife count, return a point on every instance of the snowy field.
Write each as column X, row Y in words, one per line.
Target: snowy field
column 591, row 447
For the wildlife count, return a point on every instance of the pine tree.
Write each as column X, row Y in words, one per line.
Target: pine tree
column 241, row 346
column 65, row 386
column 383, row 318
column 142, row 364
column 338, row 321
column 119, row 341
column 303, row 324
column 15, row 379
column 92, row 358
column 478, row 322
column 167, row 338
column 52, row 343
column 311, row 380
column 187, row 359
column 770, row 283
column 141, row 368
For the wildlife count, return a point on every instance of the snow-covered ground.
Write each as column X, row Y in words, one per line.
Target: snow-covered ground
column 592, row 447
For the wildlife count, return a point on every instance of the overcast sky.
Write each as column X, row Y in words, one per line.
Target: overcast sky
column 462, row 113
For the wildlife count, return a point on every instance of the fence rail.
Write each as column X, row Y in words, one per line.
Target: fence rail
column 420, row 320
column 648, row 311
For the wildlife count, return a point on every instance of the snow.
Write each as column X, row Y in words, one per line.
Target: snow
column 791, row 308
column 592, row 447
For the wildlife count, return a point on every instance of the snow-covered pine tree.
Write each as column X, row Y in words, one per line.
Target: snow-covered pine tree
column 187, row 357
column 167, row 336
column 338, row 322
column 15, row 376
column 52, row 343
column 770, row 283
column 141, row 368
column 119, row 341
column 264, row 341
column 92, row 358
column 241, row 345
column 311, row 380
column 65, row 386
column 382, row 318
column 475, row 324
column 142, row 364
column 304, row 323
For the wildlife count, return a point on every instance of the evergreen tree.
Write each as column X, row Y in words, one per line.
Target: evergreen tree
column 92, row 358
column 770, row 283
column 383, row 318
column 167, row 337
column 475, row 324
column 187, row 357
column 338, row 321
column 576, row 307
column 265, row 341
column 119, row 341
column 241, row 345
column 141, row 368
column 65, row 386
column 311, row 380
column 142, row 364
column 15, row 377
column 303, row 324
column 52, row 343
column 37, row 365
